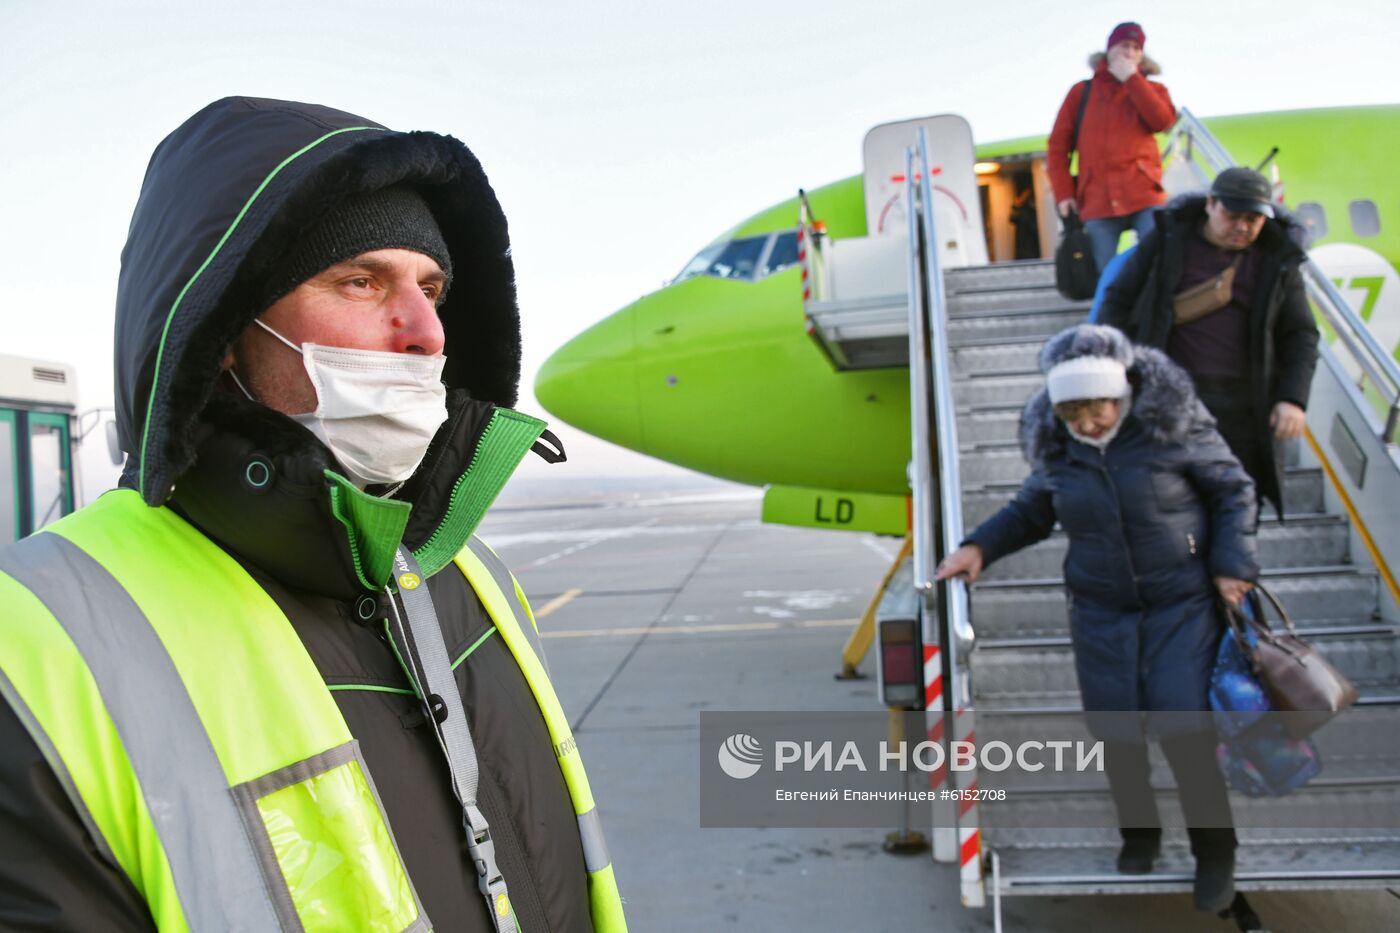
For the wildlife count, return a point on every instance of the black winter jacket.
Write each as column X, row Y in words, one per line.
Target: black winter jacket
column 1150, row 521
column 1283, row 336
column 199, row 248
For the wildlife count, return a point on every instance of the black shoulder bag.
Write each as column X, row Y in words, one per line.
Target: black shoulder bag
column 1076, row 276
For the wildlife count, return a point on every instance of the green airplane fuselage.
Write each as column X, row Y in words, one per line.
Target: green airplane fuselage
column 718, row 375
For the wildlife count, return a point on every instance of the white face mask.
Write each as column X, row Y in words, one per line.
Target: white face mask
column 376, row 411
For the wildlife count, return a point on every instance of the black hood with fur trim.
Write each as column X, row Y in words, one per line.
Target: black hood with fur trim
column 1164, row 401
column 224, row 197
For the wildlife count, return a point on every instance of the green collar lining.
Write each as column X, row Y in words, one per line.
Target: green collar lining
column 505, row 441
column 374, row 527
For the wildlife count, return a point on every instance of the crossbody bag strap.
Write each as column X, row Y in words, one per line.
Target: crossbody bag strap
column 1079, row 115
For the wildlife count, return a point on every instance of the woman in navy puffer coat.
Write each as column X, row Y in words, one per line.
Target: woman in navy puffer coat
column 1160, row 516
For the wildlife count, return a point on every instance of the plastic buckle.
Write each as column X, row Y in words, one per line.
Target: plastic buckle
column 483, row 852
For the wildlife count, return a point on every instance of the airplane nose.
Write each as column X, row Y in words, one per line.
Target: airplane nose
column 591, row 382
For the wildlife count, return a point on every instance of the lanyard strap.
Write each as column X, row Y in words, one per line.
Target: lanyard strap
column 437, row 687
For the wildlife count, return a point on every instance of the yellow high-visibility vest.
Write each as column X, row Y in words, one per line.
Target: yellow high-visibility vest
column 197, row 741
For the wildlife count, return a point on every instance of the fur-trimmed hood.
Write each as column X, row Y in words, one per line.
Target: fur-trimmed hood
column 1163, row 402
column 225, row 195
column 1148, row 66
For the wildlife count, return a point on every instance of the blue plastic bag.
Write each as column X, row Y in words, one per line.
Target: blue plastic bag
column 1256, row 754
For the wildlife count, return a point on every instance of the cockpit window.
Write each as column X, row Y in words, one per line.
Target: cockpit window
column 701, row 263
column 748, row 258
column 783, row 253
column 738, row 259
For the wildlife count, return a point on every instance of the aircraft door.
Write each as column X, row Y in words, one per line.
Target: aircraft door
column 956, row 204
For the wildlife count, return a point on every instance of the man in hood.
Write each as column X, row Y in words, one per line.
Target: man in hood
column 274, row 682
column 1217, row 285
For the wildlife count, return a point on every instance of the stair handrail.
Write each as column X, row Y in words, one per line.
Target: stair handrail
column 1190, row 139
column 949, row 518
column 920, row 392
column 945, row 421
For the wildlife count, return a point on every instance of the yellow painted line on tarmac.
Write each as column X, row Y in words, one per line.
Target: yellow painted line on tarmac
column 557, row 602
column 727, row 628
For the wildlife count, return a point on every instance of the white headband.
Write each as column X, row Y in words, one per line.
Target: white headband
column 1086, row 377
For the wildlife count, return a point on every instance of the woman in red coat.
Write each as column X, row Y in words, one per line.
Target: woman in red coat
column 1120, row 167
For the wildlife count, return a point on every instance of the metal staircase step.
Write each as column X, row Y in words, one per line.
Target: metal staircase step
column 991, row 476
column 1302, row 542
column 1346, row 804
column 1347, row 745
column 1004, row 301
column 1023, row 674
column 1030, row 325
column 988, row 425
column 1057, row 866
column 997, row 357
column 1002, row 389
column 1038, row 609
column 1030, row 273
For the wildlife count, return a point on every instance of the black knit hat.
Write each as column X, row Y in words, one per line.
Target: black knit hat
column 390, row 218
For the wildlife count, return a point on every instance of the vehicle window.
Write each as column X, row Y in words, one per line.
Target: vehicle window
column 9, row 488
column 783, row 254
column 48, row 470
column 737, row 259
column 1314, row 218
column 1365, row 219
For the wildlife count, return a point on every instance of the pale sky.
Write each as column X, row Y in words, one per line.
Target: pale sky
column 619, row 136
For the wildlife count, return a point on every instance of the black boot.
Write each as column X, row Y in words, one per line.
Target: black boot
column 1215, row 868
column 1140, row 849
column 1244, row 916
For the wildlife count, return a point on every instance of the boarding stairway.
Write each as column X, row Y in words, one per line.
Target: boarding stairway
column 973, row 335
column 1023, row 664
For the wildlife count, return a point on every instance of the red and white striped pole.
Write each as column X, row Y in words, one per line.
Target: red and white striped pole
column 802, row 261
column 945, row 814
column 965, row 781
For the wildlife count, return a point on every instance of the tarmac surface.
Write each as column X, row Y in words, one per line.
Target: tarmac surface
column 659, row 600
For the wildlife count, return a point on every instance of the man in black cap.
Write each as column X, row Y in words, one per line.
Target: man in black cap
column 1217, row 286
column 274, row 681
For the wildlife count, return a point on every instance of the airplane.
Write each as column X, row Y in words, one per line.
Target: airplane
column 714, row 371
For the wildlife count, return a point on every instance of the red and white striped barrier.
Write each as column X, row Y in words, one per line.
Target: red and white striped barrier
column 969, row 813
column 945, row 819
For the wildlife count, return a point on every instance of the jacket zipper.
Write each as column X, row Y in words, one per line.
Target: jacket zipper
column 1122, row 531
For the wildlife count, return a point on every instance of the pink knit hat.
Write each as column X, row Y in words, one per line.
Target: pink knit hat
column 1126, row 32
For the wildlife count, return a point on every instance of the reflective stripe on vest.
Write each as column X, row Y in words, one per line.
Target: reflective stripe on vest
column 218, row 826
column 492, row 581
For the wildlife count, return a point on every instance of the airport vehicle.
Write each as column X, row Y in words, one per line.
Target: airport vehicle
column 38, row 444
column 905, row 317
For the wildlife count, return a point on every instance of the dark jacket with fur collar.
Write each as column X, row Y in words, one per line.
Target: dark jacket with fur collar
column 224, row 197
column 1150, row 521
column 1283, row 335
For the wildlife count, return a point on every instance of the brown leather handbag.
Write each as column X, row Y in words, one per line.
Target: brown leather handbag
column 1206, row 297
column 1298, row 680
